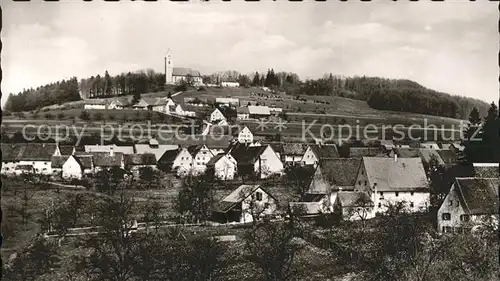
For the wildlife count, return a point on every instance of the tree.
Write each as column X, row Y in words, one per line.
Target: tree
column 271, row 247
column 108, row 181
column 256, row 80
column 32, row 262
column 195, row 198
column 298, row 179
column 149, row 176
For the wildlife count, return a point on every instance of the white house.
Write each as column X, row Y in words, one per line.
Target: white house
column 392, row 180
column 260, row 161
column 201, row 155
column 116, row 104
column 75, row 167
column 230, row 84
column 293, row 153
column 246, row 203
column 179, row 161
column 245, row 136
column 217, row 115
column 95, row 104
column 38, row 156
column 258, row 111
column 469, row 202
column 314, row 153
column 181, row 112
column 242, row 113
column 223, row 166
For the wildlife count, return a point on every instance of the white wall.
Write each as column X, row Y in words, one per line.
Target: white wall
column 71, row 169
column 245, row 136
column 216, row 116
column 201, row 159
column 41, row 167
column 242, row 116
column 309, row 157
column 8, row 168
column 183, row 162
column 420, row 200
column 94, row 106
column 246, row 215
column 451, row 205
column 270, row 163
column 225, row 169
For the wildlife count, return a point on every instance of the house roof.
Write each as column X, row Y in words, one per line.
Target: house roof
column 244, row 154
column 84, row 160
column 194, row 149
column 104, row 159
column 126, row 149
column 169, row 156
column 118, row 102
column 28, row 152
column 66, row 149
column 96, row 101
column 237, row 196
column 183, row 71
column 294, row 148
column 258, row 110
column 407, row 152
column 242, row 110
column 479, row 195
column 482, row 170
column 354, row 199
column 448, row 156
column 157, row 150
column 333, row 174
column 429, row 145
column 58, row 161
column 306, row 208
column 360, row 152
column 12, row 152
column 325, row 151
column 212, row 142
column 390, row 175
column 139, row 159
column 428, row 154
column 215, row 159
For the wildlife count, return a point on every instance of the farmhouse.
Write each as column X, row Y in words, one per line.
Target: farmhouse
column 216, row 115
column 330, row 177
column 389, row 180
column 135, row 162
column 11, row 154
column 222, row 166
column 469, row 202
column 201, row 155
column 179, row 161
column 244, row 204
column 106, row 161
column 293, row 153
column 57, row 162
column 117, row 104
column 95, row 104
column 242, row 113
column 260, row 161
column 314, row 153
column 22, row 155
column 76, row 167
column 145, row 103
column 153, row 147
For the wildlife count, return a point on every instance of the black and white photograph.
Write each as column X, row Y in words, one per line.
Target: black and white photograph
column 250, row 140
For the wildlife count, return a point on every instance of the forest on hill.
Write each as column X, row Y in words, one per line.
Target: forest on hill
column 380, row 93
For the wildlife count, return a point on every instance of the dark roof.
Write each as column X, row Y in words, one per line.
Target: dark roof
column 182, row 71
column 215, row 159
column 237, row 196
column 12, row 152
column 66, row 149
column 360, row 152
column 244, row 154
column 194, row 149
column 402, row 175
column 428, row 154
column 448, row 156
column 242, row 110
column 169, row 156
column 407, row 152
column 104, row 159
column 58, row 161
column 139, row 159
column 333, row 174
column 325, row 151
column 478, row 195
column 294, row 148
column 486, row 172
column 84, row 160
column 212, row 142
column 38, row 152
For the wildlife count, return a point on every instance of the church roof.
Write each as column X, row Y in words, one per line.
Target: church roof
column 182, row 71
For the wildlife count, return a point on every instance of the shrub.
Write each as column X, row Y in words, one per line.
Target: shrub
column 60, row 116
column 48, row 116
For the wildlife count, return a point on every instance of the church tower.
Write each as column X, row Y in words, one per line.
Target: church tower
column 169, row 67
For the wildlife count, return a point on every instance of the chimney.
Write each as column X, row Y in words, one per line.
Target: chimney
column 111, row 151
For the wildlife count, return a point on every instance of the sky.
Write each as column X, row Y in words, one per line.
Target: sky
column 449, row 46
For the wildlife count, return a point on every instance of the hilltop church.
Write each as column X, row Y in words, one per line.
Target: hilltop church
column 174, row 75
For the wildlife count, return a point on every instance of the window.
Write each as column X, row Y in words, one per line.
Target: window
column 451, row 203
column 381, row 193
column 464, row 218
column 411, row 193
column 458, row 203
column 446, row 216
column 411, row 204
column 379, row 205
column 397, row 194
column 447, row 229
column 366, row 183
column 359, row 182
column 258, row 196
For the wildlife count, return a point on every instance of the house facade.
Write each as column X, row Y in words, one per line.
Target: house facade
column 309, row 157
column 183, row 162
column 388, row 181
column 469, row 203
column 217, row 115
column 243, row 205
column 242, row 113
column 201, row 156
column 95, row 104
column 223, row 166
column 245, row 136
column 230, row 84
column 72, row 168
column 135, row 162
column 352, row 206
